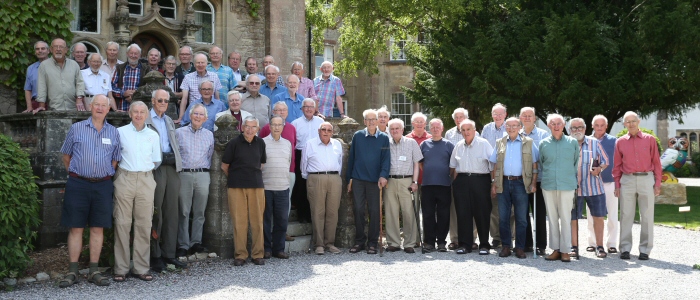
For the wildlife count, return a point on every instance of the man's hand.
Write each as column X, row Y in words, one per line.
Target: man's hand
column 657, row 190
column 29, row 109
column 382, row 182
column 413, row 187
column 596, row 171
column 533, row 187
column 128, row 93
column 79, row 104
column 350, row 186
column 493, row 190
column 617, row 193
column 38, row 109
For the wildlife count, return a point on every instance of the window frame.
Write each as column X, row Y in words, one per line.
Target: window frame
column 213, row 21
column 398, row 99
column 76, row 16
column 402, row 50
column 174, row 9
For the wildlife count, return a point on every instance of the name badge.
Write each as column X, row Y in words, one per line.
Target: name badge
column 106, row 141
column 402, row 158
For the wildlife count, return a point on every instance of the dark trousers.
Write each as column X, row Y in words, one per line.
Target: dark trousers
column 165, row 216
column 366, row 194
column 299, row 199
column 541, row 216
column 275, row 220
column 435, row 204
column 472, row 196
column 513, row 196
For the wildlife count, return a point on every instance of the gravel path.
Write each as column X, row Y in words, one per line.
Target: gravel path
column 668, row 275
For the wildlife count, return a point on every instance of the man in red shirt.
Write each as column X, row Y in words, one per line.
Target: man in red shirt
column 418, row 122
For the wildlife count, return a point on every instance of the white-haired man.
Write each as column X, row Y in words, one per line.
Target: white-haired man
column 600, row 127
column 530, row 129
column 97, row 82
column 79, row 52
column 383, row 116
column 307, row 127
column 419, row 134
column 109, row 64
column 191, row 83
column 270, row 88
column 127, row 78
column 329, row 90
column 492, row 132
column 59, row 83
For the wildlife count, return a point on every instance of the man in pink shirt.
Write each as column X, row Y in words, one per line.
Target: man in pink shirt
column 637, row 175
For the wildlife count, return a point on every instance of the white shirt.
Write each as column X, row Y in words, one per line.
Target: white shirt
column 140, row 149
column 275, row 173
column 306, row 129
column 319, row 157
column 96, row 84
column 472, row 158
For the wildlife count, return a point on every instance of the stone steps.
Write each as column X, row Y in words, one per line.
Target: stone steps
column 300, row 244
column 298, row 229
column 300, row 232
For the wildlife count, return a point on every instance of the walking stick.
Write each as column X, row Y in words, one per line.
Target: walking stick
column 534, row 223
column 415, row 210
column 578, row 243
column 381, row 232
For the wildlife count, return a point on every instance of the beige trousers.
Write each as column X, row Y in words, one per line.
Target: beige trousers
column 247, row 206
column 637, row 190
column 559, row 205
column 397, row 202
column 324, row 192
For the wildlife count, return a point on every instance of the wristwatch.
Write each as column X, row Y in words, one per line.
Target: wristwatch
column 493, row 180
column 416, row 182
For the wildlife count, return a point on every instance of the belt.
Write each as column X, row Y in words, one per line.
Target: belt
column 196, row 170
column 400, row 176
column 74, row 175
column 328, row 172
column 474, row 174
column 512, row 177
column 638, row 173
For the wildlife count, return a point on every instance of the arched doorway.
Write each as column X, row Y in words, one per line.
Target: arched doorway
column 147, row 42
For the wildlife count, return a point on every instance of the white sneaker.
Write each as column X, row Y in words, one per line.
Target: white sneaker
column 333, row 249
column 319, row 250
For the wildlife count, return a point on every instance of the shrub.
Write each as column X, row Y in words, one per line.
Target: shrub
column 687, row 170
column 19, row 208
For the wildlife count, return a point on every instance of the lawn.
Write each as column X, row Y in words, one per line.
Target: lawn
column 668, row 214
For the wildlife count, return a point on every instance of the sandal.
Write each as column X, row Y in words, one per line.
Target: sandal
column 371, row 250
column 356, row 248
column 70, row 279
column 452, row 246
column 461, row 250
column 144, row 277
column 601, row 252
column 612, row 250
column 590, row 249
column 484, row 251
column 119, row 278
column 97, row 278
column 574, row 252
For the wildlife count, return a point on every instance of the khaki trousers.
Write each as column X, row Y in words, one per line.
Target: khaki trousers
column 398, row 198
column 559, row 205
column 247, row 205
column 324, row 192
column 133, row 201
column 637, row 190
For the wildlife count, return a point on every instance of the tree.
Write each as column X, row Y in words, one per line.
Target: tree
column 577, row 58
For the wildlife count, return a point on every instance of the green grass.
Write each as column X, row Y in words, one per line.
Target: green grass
column 667, row 214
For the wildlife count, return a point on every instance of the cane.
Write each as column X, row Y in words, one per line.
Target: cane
column 534, row 222
column 415, row 210
column 381, row 232
column 576, row 215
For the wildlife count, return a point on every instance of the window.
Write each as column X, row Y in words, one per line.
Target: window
column 87, row 15
column 401, row 108
column 396, row 52
column 204, row 15
column 320, row 58
column 167, row 8
column 91, row 48
column 136, row 7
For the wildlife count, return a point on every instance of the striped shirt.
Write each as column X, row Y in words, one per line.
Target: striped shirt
column 491, row 133
column 403, row 155
column 275, row 173
column 289, row 133
column 192, row 80
column 306, row 88
column 227, row 79
column 92, row 151
column 131, row 80
column 196, row 147
column 589, row 185
column 326, row 91
column 140, row 149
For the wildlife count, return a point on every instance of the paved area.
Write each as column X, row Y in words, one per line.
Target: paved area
column 668, row 275
column 690, row 181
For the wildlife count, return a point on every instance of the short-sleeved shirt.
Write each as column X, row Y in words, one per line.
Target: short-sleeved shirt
column 306, row 88
column 92, row 151
column 454, row 135
column 492, row 133
column 196, row 147
column 32, row 75
column 227, row 79
column 272, row 92
column 289, row 133
column 638, row 153
column 559, row 159
column 326, row 91
column 140, row 148
column 245, row 161
column 258, row 106
column 96, row 84
column 436, row 162
column 320, row 157
column 192, row 80
column 472, row 158
column 608, row 143
column 214, row 107
column 537, row 135
column 279, row 156
column 403, row 155
column 591, row 150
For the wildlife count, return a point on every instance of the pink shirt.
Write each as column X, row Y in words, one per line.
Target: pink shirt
column 288, row 133
column 419, row 140
column 638, row 153
column 306, row 88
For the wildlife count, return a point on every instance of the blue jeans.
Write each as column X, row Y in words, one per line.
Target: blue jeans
column 275, row 220
column 513, row 195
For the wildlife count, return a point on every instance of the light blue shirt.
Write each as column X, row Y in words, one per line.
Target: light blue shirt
column 293, row 105
column 513, row 162
column 227, row 79
column 491, row 133
column 159, row 123
column 140, row 149
column 271, row 93
column 537, row 135
column 32, row 76
column 214, row 107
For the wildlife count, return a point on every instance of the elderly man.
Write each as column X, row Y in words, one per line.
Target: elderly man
column 196, row 145
column 226, row 77
column 471, row 172
column 109, row 64
column 127, row 78
column 435, row 189
column 492, row 132
column 186, row 66
column 172, row 78
column 213, row 106
column 419, row 134
column 59, row 81
column 251, row 66
column 41, row 50
column 234, row 109
column 514, row 177
column 403, row 181
column 593, row 160
column 559, row 156
column 328, row 89
column 254, row 102
column 164, row 225
column 637, row 174
column 79, row 52
column 307, row 127
column 530, row 129
column 192, row 81
column 89, row 190
column 268, row 60
column 369, row 162
column 291, row 98
column 275, row 177
column 234, row 62
column 246, row 194
column 270, row 88
column 306, row 86
column 97, row 82
column 600, row 126
column 383, row 116
column 321, row 164
column 134, row 189
column 154, row 60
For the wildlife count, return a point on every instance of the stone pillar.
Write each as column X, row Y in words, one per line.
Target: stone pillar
column 662, row 128
column 121, row 21
column 345, row 233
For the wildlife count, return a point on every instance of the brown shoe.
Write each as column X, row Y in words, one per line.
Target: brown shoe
column 258, row 261
column 281, row 255
column 505, row 252
column 556, row 255
column 520, row 253
column 409, row 250
column 238, row 262
column 565, row 257
column 392, row 249
column 267, row 255
column 289, row 238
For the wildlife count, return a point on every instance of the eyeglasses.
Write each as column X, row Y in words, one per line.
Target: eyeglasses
column 578, row 128
column 276, row 125
column 326, row 130
column 198, row 114
column 371, row 120
column 163, row 101
column 631, row 121
column 206, row 89
column 309, row 107
column 512, row 126
column 279, row 109
column 253, row 82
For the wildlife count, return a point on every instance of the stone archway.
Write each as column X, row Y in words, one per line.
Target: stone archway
column 148, row 41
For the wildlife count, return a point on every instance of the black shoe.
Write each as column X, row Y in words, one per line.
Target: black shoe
column 180, row 252
column 441, row 248
column 643, row 256
column 495, row 244
column 528, row 249
column 175, row 262
column 157, row 265
column 625, row 255
column 541, row 252
column 428, row 248
column 198, row 248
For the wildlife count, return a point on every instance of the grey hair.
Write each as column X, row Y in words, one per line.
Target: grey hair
column 202, row 54
column 419, row 115
column 630, row 113
column 280, row 103
column 110, row 43
column 325, row 123
column 551, row 117
column 526, row 108
column 325, row 62
column 188, row 47
column 367, row 112
column 231, row 93
column 513, row 119
column 436, row 120
column 133, row 46
column 251, row 76
column 396, row 121
column 577, row 120
column 383, row 110
column 137, row 103
column 297, row 63
column 598, row 117
column 45, row 43
column 105, row 96
column 497, row 106
column 203, row 82
column 467, row 121
column 251, row 118
column 295, row 76
column 308, row 100
column 277, row 116
column 206, row 113
column 153, row 94
column 170, row 57
column 91, row 54
column 462, row 110
column 272, row 66
column 79, row 44
column 151, row 50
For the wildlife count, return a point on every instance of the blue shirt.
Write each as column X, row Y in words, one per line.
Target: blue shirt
column 159, row 123
column 559, row 159
column 32, row 76
column 271, row 93
column 608, row 143
column 214, row 107
column 293, row 105
column 227, row 79
column 491, row 133
column 369, row 156
column 436, row 162
column 513, row 162
column 92, row 151
column 537, row 135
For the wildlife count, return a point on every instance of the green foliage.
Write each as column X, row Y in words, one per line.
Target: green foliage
column 647, row 131
column 19, row 208
column 254, row 8
column 687, row 170
column 24, row 23
column 107, row 253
